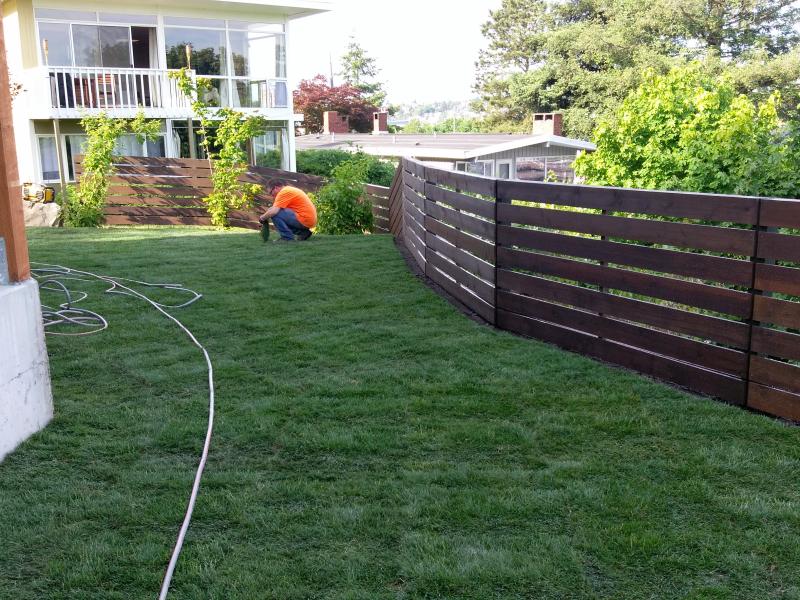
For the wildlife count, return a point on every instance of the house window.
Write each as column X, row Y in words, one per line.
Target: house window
column 484, row 168
column 268, row 149
column 69, row 38
column 546, row 168
column 243, row 60
column 127, row 145
column 48, row 157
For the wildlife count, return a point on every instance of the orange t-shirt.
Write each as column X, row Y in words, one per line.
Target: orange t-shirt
column 296, row 200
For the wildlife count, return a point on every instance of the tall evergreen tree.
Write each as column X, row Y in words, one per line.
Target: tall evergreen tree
column 360, row 70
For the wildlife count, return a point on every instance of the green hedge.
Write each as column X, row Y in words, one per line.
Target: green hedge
column 324, row 162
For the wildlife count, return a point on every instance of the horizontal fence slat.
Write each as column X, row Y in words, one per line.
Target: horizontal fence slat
column 199, row 184
column 479, row 287
column 413, row 197
column 720, row 385
column 778, row 246
column 773, row 278
column 683, row 235
column 479, row 247
column 776, row 212
column 154, row 201
column 418, row 185
column 684, row 292
column 699, row 266
column 775, row 402
column 715, row 329
column 710, row 207
column 776, row 343
column 776, row 374
column 460, row 220
column 462, row 182
column 471, row 204
column 464, row 259
column 686, row 350
column 156, row 220
column 156, row 211
column 126, row 189
column 776, row 311
column 471, row 301
column 377, row 190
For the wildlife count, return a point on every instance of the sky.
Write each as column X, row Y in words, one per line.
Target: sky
column 426, row 49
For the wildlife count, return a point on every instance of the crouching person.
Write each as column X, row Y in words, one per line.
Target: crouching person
column 292, row 212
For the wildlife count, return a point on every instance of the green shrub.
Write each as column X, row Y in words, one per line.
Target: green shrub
column 271, row 159
column 341, row 206
column 77, row 213
column 324, row 162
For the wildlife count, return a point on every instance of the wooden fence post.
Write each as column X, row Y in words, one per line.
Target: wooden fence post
column 753, row 293
column 497, row 202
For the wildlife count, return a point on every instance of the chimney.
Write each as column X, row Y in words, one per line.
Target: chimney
column 380, row 123
column 332, row 122
column 547, row 123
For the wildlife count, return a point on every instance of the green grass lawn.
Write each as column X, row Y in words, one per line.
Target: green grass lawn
column 372, row 442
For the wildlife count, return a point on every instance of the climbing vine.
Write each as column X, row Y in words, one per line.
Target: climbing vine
column 224, row 135
column 83, row 206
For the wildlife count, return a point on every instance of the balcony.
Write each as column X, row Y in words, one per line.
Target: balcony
column 74, row 92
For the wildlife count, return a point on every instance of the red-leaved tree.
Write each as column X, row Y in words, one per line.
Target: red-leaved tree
column 314, row 96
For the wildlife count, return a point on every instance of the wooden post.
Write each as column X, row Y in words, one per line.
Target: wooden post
column 60, row 157
column 12, row 222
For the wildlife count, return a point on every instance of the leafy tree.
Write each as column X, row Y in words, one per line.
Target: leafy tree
column 341, row 206
column 313, row 97
column 732, row 28
column 454, row 125
column 360, row 70
column 583, row 57
column 688, row 130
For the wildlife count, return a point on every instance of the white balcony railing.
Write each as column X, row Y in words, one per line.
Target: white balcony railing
column 86, row 88
column 75, row 91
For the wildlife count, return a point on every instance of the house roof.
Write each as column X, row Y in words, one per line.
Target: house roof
column 292, row 8
column 452, row 146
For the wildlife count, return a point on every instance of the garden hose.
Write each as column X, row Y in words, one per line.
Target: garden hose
column 63, row 319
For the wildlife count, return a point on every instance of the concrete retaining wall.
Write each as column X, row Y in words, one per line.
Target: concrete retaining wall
column 26, row 400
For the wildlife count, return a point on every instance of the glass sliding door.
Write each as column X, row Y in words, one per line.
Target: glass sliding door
column 106, row 46
column 115, row 47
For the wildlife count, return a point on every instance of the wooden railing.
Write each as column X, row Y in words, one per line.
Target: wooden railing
column 699, row 290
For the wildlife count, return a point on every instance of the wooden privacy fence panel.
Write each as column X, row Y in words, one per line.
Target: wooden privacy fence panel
column 697, row 289
column 774, row 385
column 378, row 196
column 170, row 191
column 451, row 233
column 601, row 288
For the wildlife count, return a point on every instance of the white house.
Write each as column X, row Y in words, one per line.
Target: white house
column 80, row 57
column 542, row 155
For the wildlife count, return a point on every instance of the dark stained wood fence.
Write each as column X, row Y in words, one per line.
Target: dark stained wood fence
column 699, row 290
column 170, row 191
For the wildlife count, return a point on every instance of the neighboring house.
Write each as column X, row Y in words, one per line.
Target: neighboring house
column 81, row 57
column 543, row 155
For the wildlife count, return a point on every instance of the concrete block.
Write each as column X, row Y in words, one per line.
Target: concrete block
column 26, row 398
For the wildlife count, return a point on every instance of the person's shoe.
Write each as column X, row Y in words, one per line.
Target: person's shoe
column 303, row 236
